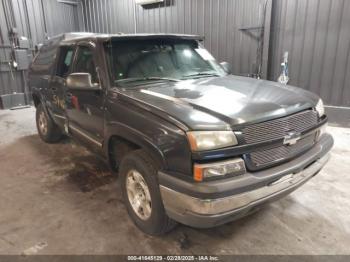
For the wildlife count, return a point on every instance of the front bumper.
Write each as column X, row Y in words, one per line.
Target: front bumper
column 217, row 202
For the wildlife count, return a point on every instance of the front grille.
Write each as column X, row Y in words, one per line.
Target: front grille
column 278, row 128
column 259, row 159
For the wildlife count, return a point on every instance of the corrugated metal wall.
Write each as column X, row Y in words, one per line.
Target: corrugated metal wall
column 219, row 21
column 108, row 16
column 36, row 20
column 316, row 33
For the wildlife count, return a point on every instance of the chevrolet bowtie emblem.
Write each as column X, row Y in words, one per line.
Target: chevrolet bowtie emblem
column 291, row 138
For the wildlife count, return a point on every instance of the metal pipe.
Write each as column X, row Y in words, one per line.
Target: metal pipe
column 135, row 20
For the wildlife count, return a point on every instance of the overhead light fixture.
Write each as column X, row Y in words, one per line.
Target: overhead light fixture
column 148, row 2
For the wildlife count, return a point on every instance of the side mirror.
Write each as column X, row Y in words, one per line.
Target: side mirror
column 227, row 67
column 81, row 81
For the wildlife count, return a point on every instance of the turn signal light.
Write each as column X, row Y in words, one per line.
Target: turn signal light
column 234, row 167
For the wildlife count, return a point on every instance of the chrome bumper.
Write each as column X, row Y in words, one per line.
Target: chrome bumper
column 183, row 203
column 209, row 204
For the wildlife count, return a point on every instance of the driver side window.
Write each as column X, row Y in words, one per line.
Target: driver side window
column 85, row 63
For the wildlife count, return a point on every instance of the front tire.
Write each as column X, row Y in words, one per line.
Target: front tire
column 48, row 131
column 140, row 188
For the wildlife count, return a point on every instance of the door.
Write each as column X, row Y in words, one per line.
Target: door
column 85, row 108
column 58, row 83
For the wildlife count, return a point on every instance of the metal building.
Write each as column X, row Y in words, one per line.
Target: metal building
column 250, row 34
column 23, row 26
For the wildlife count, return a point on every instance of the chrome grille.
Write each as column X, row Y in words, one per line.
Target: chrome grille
column 278, row 128
column 259, row 159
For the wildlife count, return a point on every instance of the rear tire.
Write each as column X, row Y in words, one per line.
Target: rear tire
column 48, row 131
column 140, row 188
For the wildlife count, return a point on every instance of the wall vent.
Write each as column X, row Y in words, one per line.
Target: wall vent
column 148, row 2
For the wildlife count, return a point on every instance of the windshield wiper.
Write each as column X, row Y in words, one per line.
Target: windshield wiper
column 201, row 74
column 149, row 78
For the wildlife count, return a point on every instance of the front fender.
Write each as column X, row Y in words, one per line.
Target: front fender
column 136, row 137
column 163, row 139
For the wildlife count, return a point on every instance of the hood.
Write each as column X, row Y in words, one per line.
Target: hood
column 221, row 103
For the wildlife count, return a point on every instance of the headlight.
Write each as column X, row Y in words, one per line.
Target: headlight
column 320, row 108
column 222, row 169
column 206, row 140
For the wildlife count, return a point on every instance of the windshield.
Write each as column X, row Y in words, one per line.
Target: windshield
column 159, row 60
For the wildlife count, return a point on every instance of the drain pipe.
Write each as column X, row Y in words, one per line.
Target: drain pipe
column 135, row 20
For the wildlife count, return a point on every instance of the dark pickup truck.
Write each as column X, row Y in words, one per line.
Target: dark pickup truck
column 190, row 142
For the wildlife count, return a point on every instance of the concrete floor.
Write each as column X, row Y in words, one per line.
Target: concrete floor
column 60, row 199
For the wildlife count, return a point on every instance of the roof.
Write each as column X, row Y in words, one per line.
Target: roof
column 68, row 37
column 73, row 37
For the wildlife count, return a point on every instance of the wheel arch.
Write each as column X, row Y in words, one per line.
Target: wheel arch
column 36, row 99
column 128, row 139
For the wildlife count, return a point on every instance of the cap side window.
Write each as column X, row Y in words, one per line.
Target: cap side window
column 65, row 61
